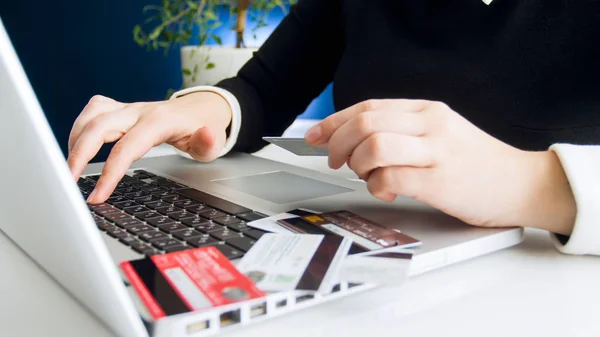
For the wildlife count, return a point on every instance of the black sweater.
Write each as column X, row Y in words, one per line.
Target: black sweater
column 525, row 71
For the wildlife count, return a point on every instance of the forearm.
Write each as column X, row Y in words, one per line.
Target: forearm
column 548, row 201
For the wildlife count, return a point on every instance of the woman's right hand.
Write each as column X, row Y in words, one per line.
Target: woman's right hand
column 194, row 123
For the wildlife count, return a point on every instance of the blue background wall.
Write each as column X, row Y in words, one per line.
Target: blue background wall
column 72, row 50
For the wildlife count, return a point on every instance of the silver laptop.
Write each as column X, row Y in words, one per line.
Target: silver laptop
column 42, row 209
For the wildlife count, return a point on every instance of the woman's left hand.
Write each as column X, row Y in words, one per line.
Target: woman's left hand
column 426, row 151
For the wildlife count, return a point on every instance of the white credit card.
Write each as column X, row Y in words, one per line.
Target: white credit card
column 384, row 268
column 271, row 224
column 287, row 262
column 298, row 146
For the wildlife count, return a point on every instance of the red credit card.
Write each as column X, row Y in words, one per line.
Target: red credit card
column 189, row 280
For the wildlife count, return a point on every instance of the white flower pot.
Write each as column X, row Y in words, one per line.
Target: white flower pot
column 207, row 65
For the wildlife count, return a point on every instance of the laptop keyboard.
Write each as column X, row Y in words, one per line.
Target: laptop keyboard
column 154, row 215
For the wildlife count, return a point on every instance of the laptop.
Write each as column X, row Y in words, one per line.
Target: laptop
column 171, row 203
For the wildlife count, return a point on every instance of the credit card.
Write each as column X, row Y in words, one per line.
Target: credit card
column 298, row 146
column 287, row 262
column 365, row 233
column 385, row 268
column 271, row 225
column 190, row 280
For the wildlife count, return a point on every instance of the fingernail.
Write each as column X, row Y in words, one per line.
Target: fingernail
column 314, row 134
column 91, row 196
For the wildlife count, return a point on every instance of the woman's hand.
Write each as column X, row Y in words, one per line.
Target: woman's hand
column 426, row 151
column 194, row 123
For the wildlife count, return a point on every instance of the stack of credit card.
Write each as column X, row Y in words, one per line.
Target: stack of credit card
column 305, row 253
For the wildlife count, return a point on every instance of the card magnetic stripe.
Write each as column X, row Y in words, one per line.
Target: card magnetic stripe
column 299, row 225
column 159, row 287
column 319, row 264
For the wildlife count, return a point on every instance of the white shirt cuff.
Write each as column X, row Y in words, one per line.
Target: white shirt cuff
column 236, row 115
column 581, row 164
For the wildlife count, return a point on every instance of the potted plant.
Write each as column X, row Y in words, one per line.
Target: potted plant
column 181, row 22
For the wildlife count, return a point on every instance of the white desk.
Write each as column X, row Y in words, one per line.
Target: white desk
column 528, row 290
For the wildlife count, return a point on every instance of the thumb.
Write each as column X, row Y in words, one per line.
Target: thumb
column 205, row 145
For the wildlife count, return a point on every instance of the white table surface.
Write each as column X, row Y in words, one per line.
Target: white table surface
column 528, row 290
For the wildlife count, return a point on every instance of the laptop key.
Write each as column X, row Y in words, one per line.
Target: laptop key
column 98, row 218
column 104, row 226
column 162, row 194
column 211, row 214
column 173, row 198
column 128, row 240
column 152, row 188
column 181, row 215
column 202, row 241
column 186, row 203
column 135, row 209
column 138, row 229
column 115, row 198
column 147, row 215
column 251, row 216
column 196, row 209
column 186, row 234
column 117, row 233
column 208, row 227
column 239, row 227
column 142, row 248
column 121, row 185
column 229, row 252
column 157, row 204
column 197, row 221
column 212, row 201
column 227, row 220
column 116, row 216
column 100, row 206
column 137, row 183
column 128, row 221
column 124, row 204
column 136, row 194
column 254, row 233
column 164, row 243
column 151, row 236
column 172, row 227
column 172, row 249
column 106, row 210
column 124, row 190
column 167, row 209
column 146, row 199
column 159, row 221
column 244, row 243
column 225, row 234
column 152, row 252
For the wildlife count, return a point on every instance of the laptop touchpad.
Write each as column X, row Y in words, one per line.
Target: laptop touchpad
column 282, row 187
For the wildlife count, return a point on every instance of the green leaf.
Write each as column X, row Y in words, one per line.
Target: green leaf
column 186, row 72
column 155, row 33
column 192, row 4
column 210, row 15
column 217, row 39
column 203, row 38
column 210, row 65
column 138, row 35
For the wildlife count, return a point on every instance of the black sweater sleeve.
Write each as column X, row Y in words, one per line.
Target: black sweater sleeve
column 292, row 67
